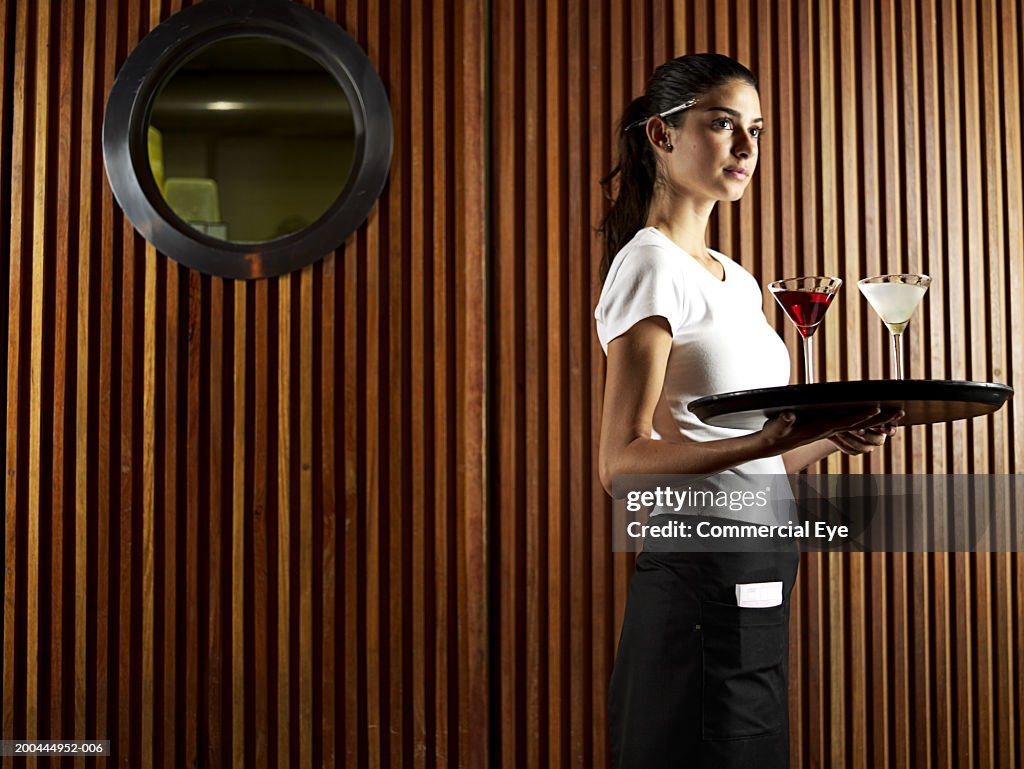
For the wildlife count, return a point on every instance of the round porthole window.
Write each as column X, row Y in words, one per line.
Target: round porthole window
column 247, row 138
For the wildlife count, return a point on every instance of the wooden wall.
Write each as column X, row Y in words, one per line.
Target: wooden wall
column 244, row 520
column 893, row 144
column 350, row 517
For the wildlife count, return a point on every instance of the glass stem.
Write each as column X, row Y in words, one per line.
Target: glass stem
column 897, row 353
column 808, row 360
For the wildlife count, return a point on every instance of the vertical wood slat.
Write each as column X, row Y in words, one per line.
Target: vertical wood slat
column 330, row 621
column 1011, row 702
column 186, row 738
column 1003, row 712
column 441, row 268
column 602, row 591
column 32, row 550
column 393, row 441
column 504, row 316
column 984, row 251
column 470, row 286
column 534, row 415
column 419, row 438
column 238, row 531
column 129, row 731
column 579, row 740
column 551, row 358
column 6, row 19
column 169, row 523
column 283, row 543
column 1012, row 47
column 82, row 405
column 15, row 365
column 258, row 661
column 108, row 720
column 149, row 474
column 353, row 284
column 60, row 442
column 218, row 531
column 353, row 652
column 305, row 645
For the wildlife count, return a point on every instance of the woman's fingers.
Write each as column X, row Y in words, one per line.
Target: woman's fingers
column 864, row 439
column 859, row 441
column 845, row 445
column 888, row 429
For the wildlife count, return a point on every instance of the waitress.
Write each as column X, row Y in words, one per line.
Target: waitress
column 678, row 321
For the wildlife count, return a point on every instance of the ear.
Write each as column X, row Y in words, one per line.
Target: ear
column 658, row 133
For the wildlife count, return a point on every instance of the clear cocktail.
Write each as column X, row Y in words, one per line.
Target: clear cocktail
column 895, row 298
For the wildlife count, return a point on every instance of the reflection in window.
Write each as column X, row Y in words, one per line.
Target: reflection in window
column 250, row 140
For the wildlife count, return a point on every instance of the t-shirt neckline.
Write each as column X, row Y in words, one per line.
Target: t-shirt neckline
column 711, row 276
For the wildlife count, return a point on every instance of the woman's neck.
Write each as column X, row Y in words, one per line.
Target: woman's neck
column 684, row 221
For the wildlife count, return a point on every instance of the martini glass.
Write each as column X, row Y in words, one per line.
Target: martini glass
column 895, row 298
column 805, row 301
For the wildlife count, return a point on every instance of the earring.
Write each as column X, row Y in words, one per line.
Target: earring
column 668, row 146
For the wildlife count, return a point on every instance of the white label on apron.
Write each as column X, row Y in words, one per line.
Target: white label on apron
column 759, row 595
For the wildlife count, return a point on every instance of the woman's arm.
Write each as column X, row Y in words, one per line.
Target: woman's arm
column 635, row 377
column 803, row 457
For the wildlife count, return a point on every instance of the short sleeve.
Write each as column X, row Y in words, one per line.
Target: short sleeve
column 648, row 281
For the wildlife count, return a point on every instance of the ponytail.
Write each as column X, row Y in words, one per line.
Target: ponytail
column 636, row 173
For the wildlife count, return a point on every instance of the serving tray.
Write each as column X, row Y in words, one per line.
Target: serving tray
column 925, row 401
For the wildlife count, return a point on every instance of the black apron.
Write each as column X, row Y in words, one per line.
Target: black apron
column 699, row 681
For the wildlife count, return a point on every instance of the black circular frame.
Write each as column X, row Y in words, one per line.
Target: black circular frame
column 155, row 60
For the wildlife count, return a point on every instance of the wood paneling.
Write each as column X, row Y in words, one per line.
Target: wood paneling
column 349, row 517
column 893, row 145
column 245, row 522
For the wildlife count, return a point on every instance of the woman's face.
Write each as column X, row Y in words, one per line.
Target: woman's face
column 715, row 145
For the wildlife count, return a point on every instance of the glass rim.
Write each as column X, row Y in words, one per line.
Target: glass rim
column 922, row 278
column 781, row 281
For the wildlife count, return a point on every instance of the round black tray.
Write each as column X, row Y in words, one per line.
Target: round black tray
column 924, row 400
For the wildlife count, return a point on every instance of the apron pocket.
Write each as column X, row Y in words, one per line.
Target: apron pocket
column 743, row 655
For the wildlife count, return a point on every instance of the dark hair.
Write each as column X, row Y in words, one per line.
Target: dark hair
column 674, row 82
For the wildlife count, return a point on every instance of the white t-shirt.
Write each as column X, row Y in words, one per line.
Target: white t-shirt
column 721, row 340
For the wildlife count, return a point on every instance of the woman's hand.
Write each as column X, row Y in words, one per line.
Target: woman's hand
column 853, row 433
column 854, row 442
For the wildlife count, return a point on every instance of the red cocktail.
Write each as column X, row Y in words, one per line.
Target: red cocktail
column 805, row 301
column 805, row 308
